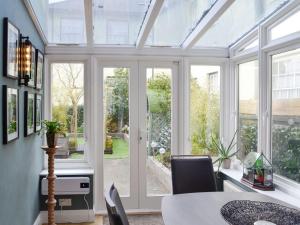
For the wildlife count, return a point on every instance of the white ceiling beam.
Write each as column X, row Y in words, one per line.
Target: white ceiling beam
column 148, row 22
column 214, row 13
column 89, row 29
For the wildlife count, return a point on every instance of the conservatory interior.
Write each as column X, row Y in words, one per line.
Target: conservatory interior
column 102, row 92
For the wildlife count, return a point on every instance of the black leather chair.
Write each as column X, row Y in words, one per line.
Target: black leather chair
column 115, row 210
column 192, row 174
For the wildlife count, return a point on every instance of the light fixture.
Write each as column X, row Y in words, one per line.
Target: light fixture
column 25, row 60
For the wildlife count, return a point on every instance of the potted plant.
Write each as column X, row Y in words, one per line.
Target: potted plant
column 224, row 153
column 52, row 130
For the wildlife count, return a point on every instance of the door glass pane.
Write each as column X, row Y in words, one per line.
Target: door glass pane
column 67, row 107
column 116, row 128
column 204, row 109
column 248, row 110
column 159, row 96
column 286, row 114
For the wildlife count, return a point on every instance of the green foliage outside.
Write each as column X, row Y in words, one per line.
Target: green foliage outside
column 117, row 107
column 247, row 136
column 286, row 151
column 12, row 127
column 204, row 119
column 120, row 149
column 159, row 116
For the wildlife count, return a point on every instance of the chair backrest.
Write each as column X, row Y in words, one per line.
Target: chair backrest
column 115, row 210
column 192, row 174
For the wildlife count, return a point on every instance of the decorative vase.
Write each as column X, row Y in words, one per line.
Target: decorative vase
column 226, row 164
column 51, row 140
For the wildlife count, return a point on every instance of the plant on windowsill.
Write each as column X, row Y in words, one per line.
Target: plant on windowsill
column 225, row 153
column 52, row 130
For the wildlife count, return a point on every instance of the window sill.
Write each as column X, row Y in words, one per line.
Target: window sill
column 67, row 172
column 236, row 175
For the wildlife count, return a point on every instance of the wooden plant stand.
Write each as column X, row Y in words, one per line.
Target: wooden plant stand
column 51, row 202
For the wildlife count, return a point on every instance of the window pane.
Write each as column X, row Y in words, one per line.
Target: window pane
column 66, row 22
column 204, row 108
column 233, row 27
column 118, row 21
column 67, row 102
column 286, row 116
column 286, row 27
column 159, row 95
column 252, row 44
column 176, row 20
column 248, row 108
column 116, row 127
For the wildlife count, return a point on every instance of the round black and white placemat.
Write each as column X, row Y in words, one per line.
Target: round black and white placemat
column 245, row 212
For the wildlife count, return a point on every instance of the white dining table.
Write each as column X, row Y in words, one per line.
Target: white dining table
column 204, row 208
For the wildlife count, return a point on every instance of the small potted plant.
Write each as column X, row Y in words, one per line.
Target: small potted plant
column 52, row 130
column 224, row 153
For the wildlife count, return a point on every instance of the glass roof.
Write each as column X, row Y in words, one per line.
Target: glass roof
column 118, row 21
column 238, row 19
column 177, row 18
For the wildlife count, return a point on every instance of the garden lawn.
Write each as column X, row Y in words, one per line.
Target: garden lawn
column 120, row 149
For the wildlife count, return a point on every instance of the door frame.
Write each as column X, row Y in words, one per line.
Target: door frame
column 132, row 200
column 154, row 202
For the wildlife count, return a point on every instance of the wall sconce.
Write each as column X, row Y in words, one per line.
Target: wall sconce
column 25, row 61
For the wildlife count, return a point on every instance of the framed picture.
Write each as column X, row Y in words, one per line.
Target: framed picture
column 11, row 44
column 38, row 112
column 29, row 110
column 31, row 82
column 10, row 114
column 39, row 69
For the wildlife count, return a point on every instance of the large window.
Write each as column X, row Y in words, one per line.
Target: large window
column 248, row 107
column 67, row 107
column 204, row 108
column 286, row 114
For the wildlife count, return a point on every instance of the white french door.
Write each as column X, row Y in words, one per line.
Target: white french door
column 158, row 119
column 138, row 114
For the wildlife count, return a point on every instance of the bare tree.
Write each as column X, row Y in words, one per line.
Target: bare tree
column 68, row 75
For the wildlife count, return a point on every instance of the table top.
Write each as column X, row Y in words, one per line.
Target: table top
column 204, row 208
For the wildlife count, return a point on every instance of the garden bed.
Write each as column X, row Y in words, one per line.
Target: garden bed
column 162, row 173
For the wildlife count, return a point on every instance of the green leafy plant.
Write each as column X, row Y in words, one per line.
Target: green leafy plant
column 223, row 151
column 52, row 127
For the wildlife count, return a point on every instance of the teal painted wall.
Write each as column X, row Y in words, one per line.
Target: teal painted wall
column 22, row 160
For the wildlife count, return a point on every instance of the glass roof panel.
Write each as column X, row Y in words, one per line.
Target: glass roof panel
column 176, row 20
column 238, row 19
column 118, row 21
column 66, row 21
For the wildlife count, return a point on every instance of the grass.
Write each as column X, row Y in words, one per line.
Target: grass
column 76, row 156
column 120, row 149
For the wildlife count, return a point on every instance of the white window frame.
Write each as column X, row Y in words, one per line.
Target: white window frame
column 284, row 183
column 235, row 65
column 49, row 60
column 224, row 97
column 263, row 54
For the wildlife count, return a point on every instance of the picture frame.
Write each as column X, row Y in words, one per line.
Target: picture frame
column 39, row 69
column 32, row 81
column 38, row 116
column 10, row 114
column 11, row 46
column 29, row 111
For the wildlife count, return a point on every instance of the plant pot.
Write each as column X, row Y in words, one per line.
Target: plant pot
column 226, row 164
column 51, row 140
